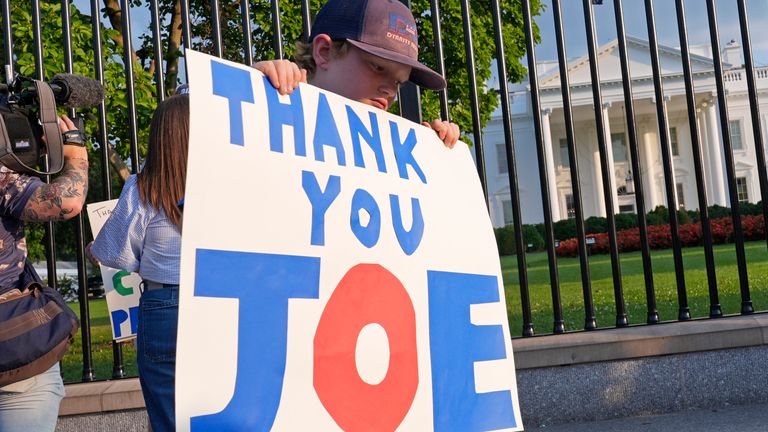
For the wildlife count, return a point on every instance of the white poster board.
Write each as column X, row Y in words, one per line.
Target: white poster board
column 121, row 288
column 338, row 272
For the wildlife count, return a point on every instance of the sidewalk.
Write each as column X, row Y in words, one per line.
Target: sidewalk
column 743, row 418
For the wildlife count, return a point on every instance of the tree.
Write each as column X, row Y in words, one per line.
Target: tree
column 291, row 31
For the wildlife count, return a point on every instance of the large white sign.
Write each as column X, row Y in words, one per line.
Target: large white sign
column 339, row 269
column 121, row 288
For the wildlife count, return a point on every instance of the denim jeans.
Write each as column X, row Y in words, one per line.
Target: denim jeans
column 156, row 355
column 32, row 404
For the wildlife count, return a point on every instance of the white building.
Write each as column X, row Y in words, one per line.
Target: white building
column 553, row 130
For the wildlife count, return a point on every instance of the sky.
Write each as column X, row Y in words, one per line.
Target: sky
column 634, row 22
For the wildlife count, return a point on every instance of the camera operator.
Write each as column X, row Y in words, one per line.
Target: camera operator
column 33, row 404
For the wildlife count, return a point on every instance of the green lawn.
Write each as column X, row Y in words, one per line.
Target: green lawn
column 101, row 347
column 634, row 286
column 541, row 298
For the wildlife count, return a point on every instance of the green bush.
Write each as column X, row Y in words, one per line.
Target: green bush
column 596, row 225
column 683, row 217
column 658, row 216
column 505, row 240
column 533, row 239
column 565, row 229
column 625, row 221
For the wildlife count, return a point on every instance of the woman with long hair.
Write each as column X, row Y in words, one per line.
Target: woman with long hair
column 143, row 235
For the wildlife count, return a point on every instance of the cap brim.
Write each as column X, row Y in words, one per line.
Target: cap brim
column 421, row 75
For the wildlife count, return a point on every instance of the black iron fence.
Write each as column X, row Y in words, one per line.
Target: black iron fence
column 244, row 31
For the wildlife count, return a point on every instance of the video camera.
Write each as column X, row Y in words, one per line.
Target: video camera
column 28, row 114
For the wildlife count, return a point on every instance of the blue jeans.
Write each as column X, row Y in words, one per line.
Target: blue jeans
column 32, row 404
column 156, row 355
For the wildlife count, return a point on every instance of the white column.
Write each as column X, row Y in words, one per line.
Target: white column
column 609, row 150
column 649, row 179
column 546, row 132
column 716, row 160
column 597, row 189
column 704, row 149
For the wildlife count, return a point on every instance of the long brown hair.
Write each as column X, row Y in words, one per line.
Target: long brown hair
column 161, row 182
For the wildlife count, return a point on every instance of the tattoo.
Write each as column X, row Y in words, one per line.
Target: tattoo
column 62, row 198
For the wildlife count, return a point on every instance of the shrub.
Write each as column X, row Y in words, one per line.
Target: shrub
column 683, row 217
column 595, row 225
column 505, row 240
column 534, row 241
column 718, row 212
column 658, row 216
column 565, row 229
column 626, row 221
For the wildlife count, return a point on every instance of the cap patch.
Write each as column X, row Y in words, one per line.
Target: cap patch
column 402, row 30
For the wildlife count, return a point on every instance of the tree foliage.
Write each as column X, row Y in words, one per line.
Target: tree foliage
column 142, row 56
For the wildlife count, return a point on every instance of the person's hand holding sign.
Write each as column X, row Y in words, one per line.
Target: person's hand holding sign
column 284, row 75
column 447, row 131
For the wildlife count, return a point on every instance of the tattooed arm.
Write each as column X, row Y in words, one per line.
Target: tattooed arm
column 63, row 198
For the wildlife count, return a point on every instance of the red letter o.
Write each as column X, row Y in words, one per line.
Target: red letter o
column 367, row 294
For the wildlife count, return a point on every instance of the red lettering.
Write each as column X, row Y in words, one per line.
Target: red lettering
column 367, row 294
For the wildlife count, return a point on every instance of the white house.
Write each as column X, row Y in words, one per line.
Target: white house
column 588, row 159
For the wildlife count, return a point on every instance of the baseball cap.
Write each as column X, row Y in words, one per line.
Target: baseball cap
column 384, row 28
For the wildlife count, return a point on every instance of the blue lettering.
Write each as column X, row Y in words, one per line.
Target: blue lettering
column 280, row 114
column 118, row 317
column 455, row 344
column 235, row 85
column 326, row 133
column 409, row 240
column 368, row 235
column 404, row 152
column 320, row 202
column 357, row 129
column 263, row 284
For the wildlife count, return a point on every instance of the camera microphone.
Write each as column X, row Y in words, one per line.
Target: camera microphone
column 76, row 91
column 69, row 91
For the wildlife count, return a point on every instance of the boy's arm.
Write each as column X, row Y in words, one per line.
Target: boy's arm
column 284, row 75
column 447, row 131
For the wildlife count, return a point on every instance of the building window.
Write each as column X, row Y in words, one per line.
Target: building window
column 564, row 161
column 736, row 142
column 501, row 158
column 627, row 208
column 506, row 206
column 673, row 141
column 680, row 196
column 741, row 189
column 570, row 207
column 619, row 145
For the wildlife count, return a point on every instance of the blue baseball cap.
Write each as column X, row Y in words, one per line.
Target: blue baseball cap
column 384, row 28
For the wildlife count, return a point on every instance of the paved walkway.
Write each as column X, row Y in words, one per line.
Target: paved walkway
column 744, row 418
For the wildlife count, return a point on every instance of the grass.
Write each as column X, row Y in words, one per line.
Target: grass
column 101, row 347
column 541, row 298
column 633, row 283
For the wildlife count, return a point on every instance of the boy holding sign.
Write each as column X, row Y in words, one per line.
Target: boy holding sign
column 364, row 51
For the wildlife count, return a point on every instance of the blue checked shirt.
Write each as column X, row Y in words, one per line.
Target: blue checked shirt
column 139, row 238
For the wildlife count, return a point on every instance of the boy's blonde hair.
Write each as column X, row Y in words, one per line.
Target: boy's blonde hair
column 303, row 55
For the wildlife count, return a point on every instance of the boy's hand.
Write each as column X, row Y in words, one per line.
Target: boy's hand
column 447, row 131
column 284, row 75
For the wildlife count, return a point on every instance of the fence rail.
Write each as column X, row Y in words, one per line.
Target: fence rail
column 187, row 15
